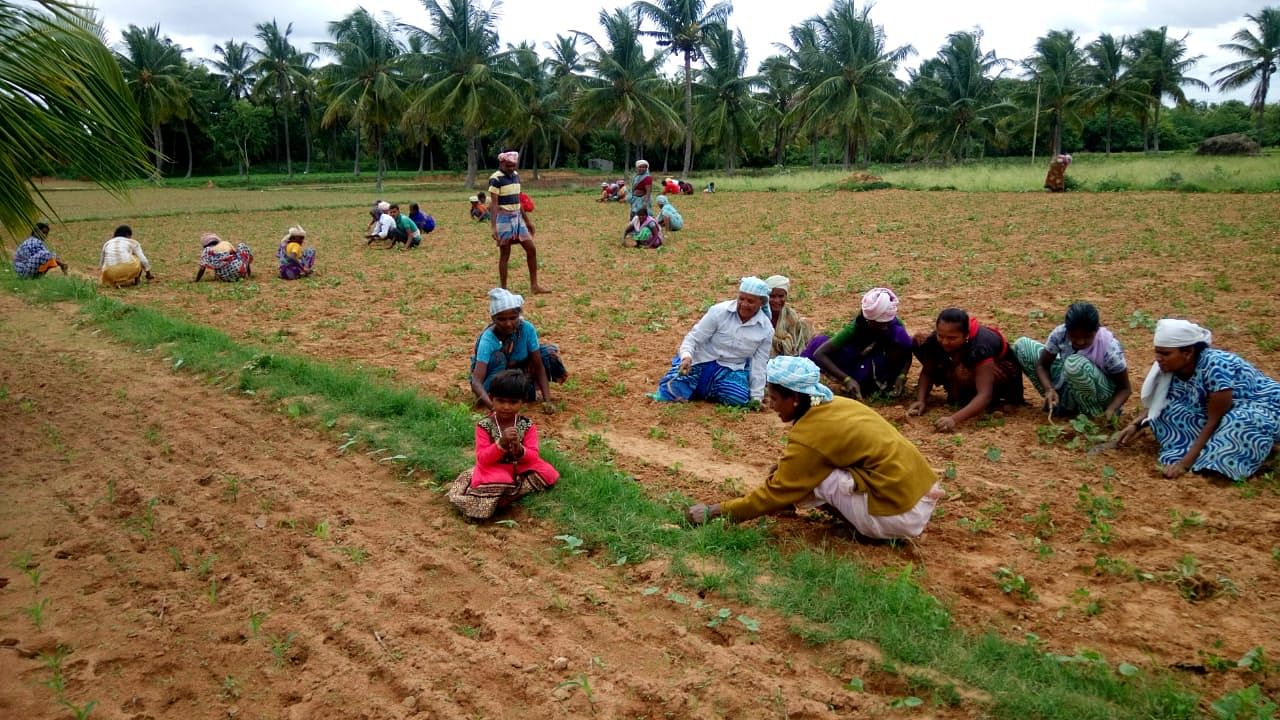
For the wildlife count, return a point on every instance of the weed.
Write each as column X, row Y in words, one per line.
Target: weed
column 583, row 683
column 1011, row 583
column 321, row 530
column 232, row 490
column 468, row 631
column 205, row 566
column 977, row 525
column 1180, row 521
column 1041, row 522
column 1254, row 660
column 1194, row 586
column 1245, row 704
column 175, row 555
column 354, row 553
column 212, row 593
column 230, row 688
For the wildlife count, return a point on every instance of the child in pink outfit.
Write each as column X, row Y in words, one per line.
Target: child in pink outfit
column 508, row 465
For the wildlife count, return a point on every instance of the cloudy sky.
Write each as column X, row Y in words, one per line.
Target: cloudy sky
column 1010, row 27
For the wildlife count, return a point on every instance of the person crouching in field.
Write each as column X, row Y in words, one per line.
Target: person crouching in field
column 508, row 465
column 971, row 361
column 668, row 217
column 791, row 333
column 871, row 354
column 644, row 230
column 722, row 359
column 405, row 230
column 511, row 343
column 840, row 454
column 122, row 261
column 425, row 222
column 479, row 208
column 295, row 261
column 228, row 262
column 1080, row 369
column 32, row 259
column 1056, row 180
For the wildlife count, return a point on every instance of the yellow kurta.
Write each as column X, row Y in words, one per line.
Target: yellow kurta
column 845, row 434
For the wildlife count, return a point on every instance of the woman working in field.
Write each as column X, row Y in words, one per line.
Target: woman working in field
column 971, row 361
column 228, row 262
column 1210, row 410
column 791, row 333
column 511, row 342
column 870, row 355
column 641, row 188
column 841, row 454
column 1080, row 368
column 722, row 358
column 643, row 230
column 295, row 261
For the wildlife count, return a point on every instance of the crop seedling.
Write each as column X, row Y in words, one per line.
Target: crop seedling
column 205, row 565
column 230, row 688
column 175, row 555
column 212, row 594
column 57, row 682
column 572, row 544
column 1245, row 704
column 1041, row 522
column 79, row 712
column 321, row 530
column 354, row 553
column 256, row 619
column 35, row 611
column 1181, row 522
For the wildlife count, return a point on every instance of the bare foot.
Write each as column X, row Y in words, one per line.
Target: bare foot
column 539, row 290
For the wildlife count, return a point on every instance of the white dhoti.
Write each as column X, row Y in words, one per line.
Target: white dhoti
column 839, row 491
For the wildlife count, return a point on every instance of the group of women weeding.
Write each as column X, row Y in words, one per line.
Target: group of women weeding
column 1209, row 410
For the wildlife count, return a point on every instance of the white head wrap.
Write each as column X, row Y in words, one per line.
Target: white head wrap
column 384, row 206
column 501, row 299
column 778, row 281
column 294, row 231
column 642, row 163
column 1170, row 333
column 880, row 305
column 510, row 155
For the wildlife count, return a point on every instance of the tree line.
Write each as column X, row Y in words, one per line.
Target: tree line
column 448, row 93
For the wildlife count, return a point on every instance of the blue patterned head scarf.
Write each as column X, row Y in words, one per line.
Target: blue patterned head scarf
column 754, row 286
column 798, row 374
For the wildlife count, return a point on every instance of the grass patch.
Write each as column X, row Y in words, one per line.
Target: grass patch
column 612, row 515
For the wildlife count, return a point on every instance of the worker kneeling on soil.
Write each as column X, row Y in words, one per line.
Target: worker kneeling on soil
column 840, row 454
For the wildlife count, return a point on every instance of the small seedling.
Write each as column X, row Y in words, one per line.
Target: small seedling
column 79, row 712
column 280, row 647
column 205, row 566
column 35, row 611
column 321, row 530
column 212, row 594
column 1180, row 522
column 1246, row 704
column 175, row 555
column 1255, row 660
column 1011, row 583
column 230, row 688
column 572, row 544
column 255, row 621
column 354, row 553
column 720, row 618
column 57, row 682
column 581, row 682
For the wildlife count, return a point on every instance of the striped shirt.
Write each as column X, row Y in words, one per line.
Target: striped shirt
column 507, row 188
column 120, row 250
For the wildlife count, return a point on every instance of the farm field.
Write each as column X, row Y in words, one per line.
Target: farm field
column 1090, row 554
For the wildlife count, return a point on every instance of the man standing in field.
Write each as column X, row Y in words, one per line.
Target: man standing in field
column 508, row 221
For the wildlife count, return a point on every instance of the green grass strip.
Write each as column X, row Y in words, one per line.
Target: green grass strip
column 832, row 597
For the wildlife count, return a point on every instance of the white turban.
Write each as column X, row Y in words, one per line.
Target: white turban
column 642, row 163
column 510, row 155
column 384, row 206
column 778, row 281
column 295, row 231
column 880, row 305
column 1170, row 333
column 501, row 299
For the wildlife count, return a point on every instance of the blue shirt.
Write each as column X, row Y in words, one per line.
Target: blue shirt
column 499, row 355
column 30, row 256
column 669, row 211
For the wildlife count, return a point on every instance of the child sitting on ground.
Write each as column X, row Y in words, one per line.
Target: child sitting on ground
column 479, row 207
column 508, row 465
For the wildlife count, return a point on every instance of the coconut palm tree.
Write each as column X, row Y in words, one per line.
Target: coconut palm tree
column 546, row 118
column 683, row 28
column 234, row 67
column 777, row 82
column 367, row 83
column 1112, row 85
column 74, row 113
column 1162, row 63
column 461, row 78
column 953, row 101
column 623, row 89
column 1058, row 68
column 727, row 112
column 1261, row 53
column 848, row 77
column 155, row 71
column 565, row 68
column 279, row 67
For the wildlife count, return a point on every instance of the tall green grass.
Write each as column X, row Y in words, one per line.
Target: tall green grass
column 1090, row 172
column 836, row 597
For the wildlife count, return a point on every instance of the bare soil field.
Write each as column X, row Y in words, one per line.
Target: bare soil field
column 1181, row 574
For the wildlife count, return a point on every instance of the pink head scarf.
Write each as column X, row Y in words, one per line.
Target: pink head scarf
column 880, row 305
column 510, row 155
